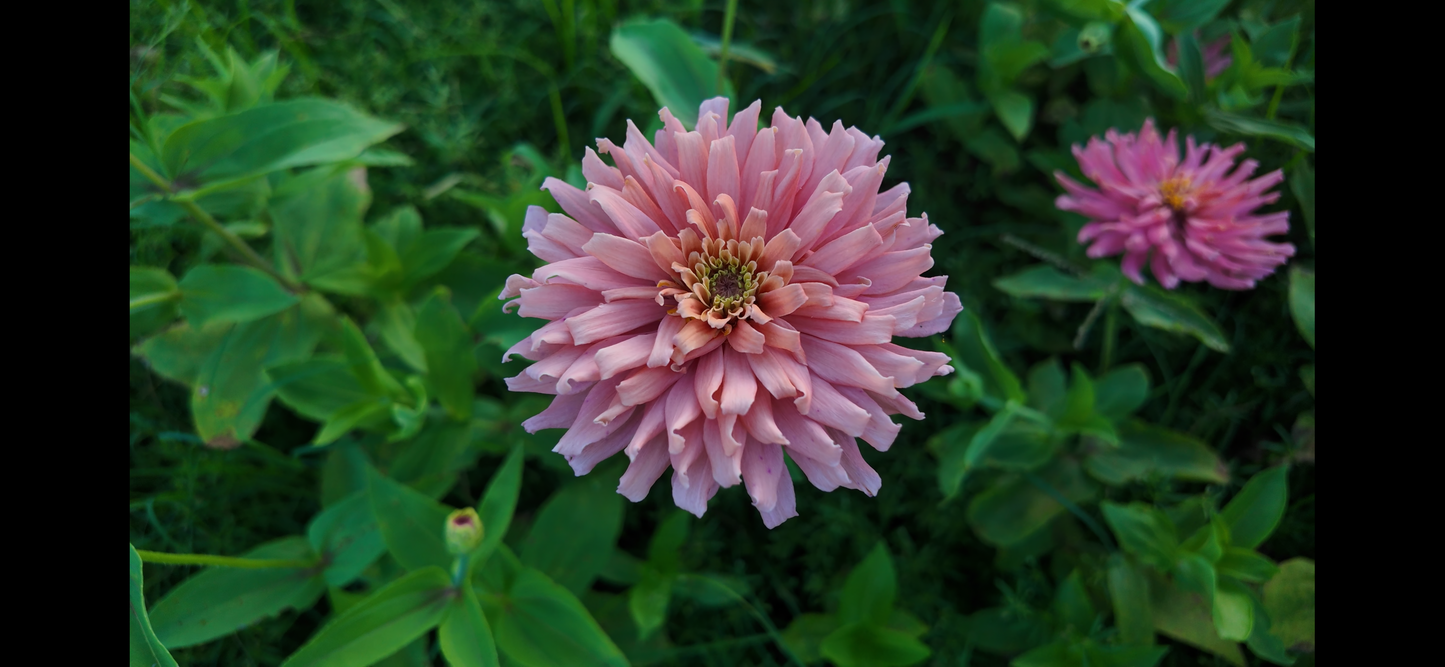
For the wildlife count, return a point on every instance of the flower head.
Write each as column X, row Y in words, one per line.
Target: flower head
column 464, row 531
column 723, row 296
column 1191, row 219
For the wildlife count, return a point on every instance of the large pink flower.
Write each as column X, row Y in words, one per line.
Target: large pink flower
column 1191, row 220
column 726, row 295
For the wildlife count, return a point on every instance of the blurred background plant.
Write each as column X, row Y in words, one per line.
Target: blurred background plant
column 326, row 199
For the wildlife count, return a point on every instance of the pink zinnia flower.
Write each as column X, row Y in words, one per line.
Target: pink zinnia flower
column 1216, row 58
column 1191, row 220
column 726, row 295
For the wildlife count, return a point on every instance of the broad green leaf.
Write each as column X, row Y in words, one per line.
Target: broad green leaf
column 294, row 133
column 231, row 392
column 1289, row 133
column 977, row 353
column 1146, row 450
column 225, row 293
column 431, row 252
column 153, row 296
column 1302, row 302
column 574, row 534
column 647, row 600
column 347, row 538
column 863, row 644
column 464, row 636
column 366, row 411
column 145, row 649
column 545, row 625
column 1079, row 401
column 1139, row 40
column 178, row 352
column 382, row 624
column 1186, row 617
column 1143, row 531
column 806, row 632
column 666, row 543
column 219, row 601
column 1255, row 511
column 1009, row 58
column 1023, row 445
column 1015, row 110
column 317, row 225
column 1129, row 593
column 1121, row 392
column 1263, row 642
column 1246, row 565
column 448, row 348
column 498, row 504
column 1183, row 16
column 1233, row 610
column 1173, row 312
column 412, row 525
column 677, row 72
column 364, row 364
column 1048, row 387
column 430, row 461
column 1290, row 600
column 318, row 387
column 1072, row 604
column 1001, row 23
column 1014, row 507
column 396, row 323
column 1046, row 282
column 1195, row 574
column 871, row 587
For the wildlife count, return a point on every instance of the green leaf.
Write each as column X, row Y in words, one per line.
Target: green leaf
column 178, row 352
column 464, row 636
column 545, row 625
column 1107, row 10
column 663, row 550
column 677, row 72
column 1015, row 110
column 318, row 387
column 977, row 353
column 498, row 504
column 317, row 226
column 1302, row 184
column 1272, row 47
column 863, row 644
column 347, row 538
column 1121, row 392
column 647, row 600
column 1145, row 450
column 1255, row 511
column 1154, row 307
column 870, row 589
column 1246, row 565
column 396, row 323
column 381, row 624
column 1195, row 574
column 1139, row 41
column 1008, row 59
column 1264, row 643
column 1144, row 531
column 364, row 364
column 1233, row 610
column 1048, row 387
column 1008, row 630
column 448, row 347
column 153, row 295
column 1046, row 282
column 574, row 534
column 219, row 601
column 1129, row 593
column 145, row 649
column 1302, row 302
column 412, row 525
column 224, row 293
column 1072, row 604
column 1013, row 509
column 1289, row 133
column 294, row 133
column 432, row 252
column 368, row 411
column 806, row 632
column 1191, row 66
column 1187, row 617
column 1061, row 653
column 1179, row 17
column 231, row 392
column 1079, row 401
column 1290, row 600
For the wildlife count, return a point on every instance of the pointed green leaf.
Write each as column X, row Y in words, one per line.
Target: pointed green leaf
column 347, row 538
column 1121, row 391
column 1233, row 610
column 1129, row 593
column 648, row 600
column 1246, row 565
column 145, row 649
column 1146, row 450
column 545, row 625
column 1142, row 530
column 317, row 225
column 1255, row 511
column 498, row 504
column 977, row 353
column 412, row 525
column 318, row 387
column 465, row 637
column 447, row 344
column 871, row 587
column 1302, row 302
column 380, row 625
column 1072, row 604
column 574, row 534
column 677, row 72
column 225, row 293
column 1172, row 312
column 1046, row 282
column 1289, row 133
column 863, row 644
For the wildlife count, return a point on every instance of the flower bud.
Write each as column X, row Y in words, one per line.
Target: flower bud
column 464, row 531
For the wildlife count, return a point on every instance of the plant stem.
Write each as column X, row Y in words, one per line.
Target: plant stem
column 221, row 561
column 727, row 38
column 250, row 255
column 152, row 299
column 1111, row 334
column 459, row 570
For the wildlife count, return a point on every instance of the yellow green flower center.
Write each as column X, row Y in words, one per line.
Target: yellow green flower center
column 1174, row 190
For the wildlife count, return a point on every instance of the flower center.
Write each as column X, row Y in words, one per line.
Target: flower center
column 720, row 282
column 1174, row 190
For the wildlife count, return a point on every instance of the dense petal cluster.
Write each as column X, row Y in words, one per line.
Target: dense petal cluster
column 1190, row 220
column 725, row 295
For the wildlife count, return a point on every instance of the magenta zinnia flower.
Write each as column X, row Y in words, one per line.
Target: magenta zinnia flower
column 724, row 296
column 1192, row 220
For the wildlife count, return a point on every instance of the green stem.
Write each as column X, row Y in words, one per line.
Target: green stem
column 221, row 561
column 459, row 570
column 201, row 216
column 1111, row 335
column 727, row 38
column 152, row 299
column 1087, row 520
